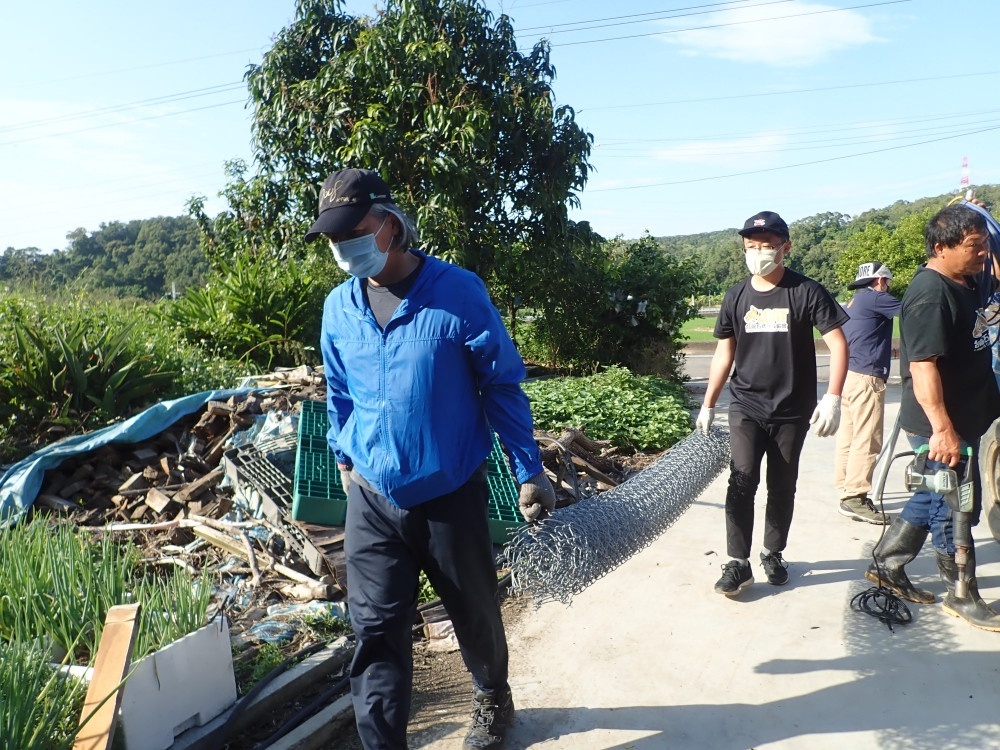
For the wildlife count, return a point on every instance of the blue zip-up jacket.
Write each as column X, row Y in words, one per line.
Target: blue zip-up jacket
column 411, row 406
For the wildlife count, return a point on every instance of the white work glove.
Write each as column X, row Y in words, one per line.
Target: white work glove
column 345, row 479
column 826, row 418
column 705, row 417
column 537, row 498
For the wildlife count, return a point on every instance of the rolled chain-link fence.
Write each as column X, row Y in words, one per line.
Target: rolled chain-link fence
column 557, row 558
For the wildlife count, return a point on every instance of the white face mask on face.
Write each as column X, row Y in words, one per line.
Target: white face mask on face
column 360, row 256
column 761, row 262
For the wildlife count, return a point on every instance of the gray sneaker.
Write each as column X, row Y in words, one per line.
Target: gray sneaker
column 862, row 509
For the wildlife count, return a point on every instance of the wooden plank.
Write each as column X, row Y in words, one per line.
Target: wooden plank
column 200, row 485
column 104, row 695
column 157, row 500
column 221, row 540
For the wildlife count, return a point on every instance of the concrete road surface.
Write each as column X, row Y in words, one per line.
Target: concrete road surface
column 650, row 657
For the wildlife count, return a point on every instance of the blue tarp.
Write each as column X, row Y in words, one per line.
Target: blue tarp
column 19, row 486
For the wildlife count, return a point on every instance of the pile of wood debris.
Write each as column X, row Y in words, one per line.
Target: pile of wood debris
column 195, row 496
column 184, row 493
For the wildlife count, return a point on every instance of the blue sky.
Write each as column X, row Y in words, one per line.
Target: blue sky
column 703, row 112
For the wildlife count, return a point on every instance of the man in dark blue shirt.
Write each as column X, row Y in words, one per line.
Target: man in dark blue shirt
column 859, row 439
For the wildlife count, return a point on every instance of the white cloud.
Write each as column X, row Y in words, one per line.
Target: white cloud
column 797, row 33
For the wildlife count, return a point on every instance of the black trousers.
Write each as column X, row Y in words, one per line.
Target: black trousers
column 749, row 441
column 386, row 547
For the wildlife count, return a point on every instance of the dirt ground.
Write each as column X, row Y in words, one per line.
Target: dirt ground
column 442, row 691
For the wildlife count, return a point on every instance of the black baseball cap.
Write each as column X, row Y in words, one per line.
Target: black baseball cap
column 345, row 199
column 765, row 221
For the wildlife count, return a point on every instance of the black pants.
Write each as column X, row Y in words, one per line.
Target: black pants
column 749, row 441
column 386, row 547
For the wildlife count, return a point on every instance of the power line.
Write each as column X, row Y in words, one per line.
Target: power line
column 97, row 74
column 829, row 127
column 714, row 147
column 731, row 23
column 223, row 88
column 642, row 17
column 120, row 124
column 758, row 94
column 800, row 164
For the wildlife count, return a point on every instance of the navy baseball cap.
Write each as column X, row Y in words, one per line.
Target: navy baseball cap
column 765, row 221
column 345, row 199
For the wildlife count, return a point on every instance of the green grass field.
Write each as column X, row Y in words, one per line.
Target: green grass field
column 700, row 329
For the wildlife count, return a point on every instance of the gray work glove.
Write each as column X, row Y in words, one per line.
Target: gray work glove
column 537, row 499
column 345, row 478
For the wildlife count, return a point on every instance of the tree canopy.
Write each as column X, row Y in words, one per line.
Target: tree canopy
column 435, row 96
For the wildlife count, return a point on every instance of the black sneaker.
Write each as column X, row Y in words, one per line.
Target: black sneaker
column 736, row 576
column 862, row 509
column 775, row 568
column 492, row 713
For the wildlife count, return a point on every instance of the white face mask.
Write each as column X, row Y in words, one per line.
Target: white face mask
column 761, row 262
column 361, row 257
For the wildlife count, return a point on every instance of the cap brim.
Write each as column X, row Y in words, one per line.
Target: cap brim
column 858, row 283
column 759, row 230
column 338, row 220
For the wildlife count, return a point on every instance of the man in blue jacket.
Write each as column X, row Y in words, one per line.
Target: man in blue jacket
column 862, row 409
column 419, row 368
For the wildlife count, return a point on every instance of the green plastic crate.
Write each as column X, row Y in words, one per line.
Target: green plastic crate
column 313, row 420
column 318, row 497
column 505, row 517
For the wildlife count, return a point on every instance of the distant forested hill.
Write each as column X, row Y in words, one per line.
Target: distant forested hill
column 142, row 258
column 817, row 241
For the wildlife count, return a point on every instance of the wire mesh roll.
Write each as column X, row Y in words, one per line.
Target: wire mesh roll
column 557, row 558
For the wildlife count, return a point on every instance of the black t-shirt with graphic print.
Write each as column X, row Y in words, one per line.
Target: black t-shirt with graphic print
column 774, row 378
column 941, row 318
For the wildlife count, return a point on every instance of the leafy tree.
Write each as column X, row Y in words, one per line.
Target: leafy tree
column 264, row 219
column 648, row 302
column 436, row 97
column 816, row 243
column 902, row 249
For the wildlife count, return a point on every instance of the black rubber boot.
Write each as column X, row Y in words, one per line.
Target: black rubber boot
column 901, row 543
column 972, row 608
column 947, row 569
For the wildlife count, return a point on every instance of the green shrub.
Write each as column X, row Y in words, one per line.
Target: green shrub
column 76, row 363
column 256, row 309
column 640, row 413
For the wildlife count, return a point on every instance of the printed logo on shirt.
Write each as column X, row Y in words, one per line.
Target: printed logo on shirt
column 771, row 320
column 985, row 319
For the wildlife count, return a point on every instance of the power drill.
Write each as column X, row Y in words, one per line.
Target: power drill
column 960, row 496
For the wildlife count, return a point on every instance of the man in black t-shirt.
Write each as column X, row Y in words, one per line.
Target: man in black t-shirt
column 765, row 327
column 949, row 399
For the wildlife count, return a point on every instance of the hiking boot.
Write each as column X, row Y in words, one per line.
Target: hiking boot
column 492, row 713
column 862, row 509
column 775, row 568
column 736, row 576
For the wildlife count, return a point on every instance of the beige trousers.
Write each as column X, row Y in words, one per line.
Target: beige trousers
column 859, row 438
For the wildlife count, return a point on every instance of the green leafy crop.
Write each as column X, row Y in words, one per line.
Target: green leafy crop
column 640, row 413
